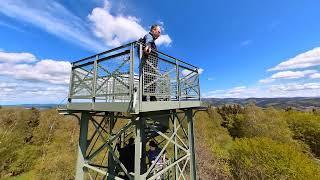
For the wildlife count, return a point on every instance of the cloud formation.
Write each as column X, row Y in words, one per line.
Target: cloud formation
column 26, row 79
column 99, row 31
column 246, row 42
column 25, row 92
column 25, row 66
column 54, row 18
column 315, row 76
column 278, row 90
column 307, row 59
column 115, row 30
column 295, row 77
column 290, row 75
column 12, row 58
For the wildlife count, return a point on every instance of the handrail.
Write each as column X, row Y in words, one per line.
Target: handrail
column 137, row 42
column 99, row 54
column 127, row 45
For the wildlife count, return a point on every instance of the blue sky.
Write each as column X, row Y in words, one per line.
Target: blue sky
column 246, row 48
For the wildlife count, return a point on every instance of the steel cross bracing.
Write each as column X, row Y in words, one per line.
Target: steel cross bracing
column 98, row 157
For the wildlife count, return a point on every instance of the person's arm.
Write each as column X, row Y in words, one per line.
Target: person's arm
column 148, row 39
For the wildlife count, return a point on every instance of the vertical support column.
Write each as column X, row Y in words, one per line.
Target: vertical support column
column 83, row 144
column 138, row 150
column 111, row 161
column 198, row 85
column 94, row 80
column 143, row 146
column 131, row 83
column 178, row 81
column 191, row 145
column 71, row 84
column 175, row 145
column 132, row 96
column 141, row 64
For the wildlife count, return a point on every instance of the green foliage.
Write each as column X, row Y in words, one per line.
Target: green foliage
column 231, row 116
column 43, row 142
column 264, row 123
column 306, row 128
column 217, row 138
column 252, row 121
column 263, row 158
column 243, row 143
column 14, row 132
column 25, row 158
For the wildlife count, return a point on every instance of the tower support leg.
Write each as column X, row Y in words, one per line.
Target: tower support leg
column 80, row 171
column 191, row 144
column 138, row 149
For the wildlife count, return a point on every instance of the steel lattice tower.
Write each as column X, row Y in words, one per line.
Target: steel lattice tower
column 111, row 93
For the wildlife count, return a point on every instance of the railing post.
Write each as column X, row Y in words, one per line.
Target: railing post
column 71, row 84
column 140, row 76
column 131, row 78
column 94, row 80
column 178, row 80
column 198, row 84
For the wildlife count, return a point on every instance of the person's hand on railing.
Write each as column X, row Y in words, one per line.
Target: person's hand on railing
column 147, row 50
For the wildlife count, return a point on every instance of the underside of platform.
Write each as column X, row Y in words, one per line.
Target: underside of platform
column 128, row 107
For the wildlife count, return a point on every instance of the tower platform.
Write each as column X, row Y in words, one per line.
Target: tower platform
column 122, row 80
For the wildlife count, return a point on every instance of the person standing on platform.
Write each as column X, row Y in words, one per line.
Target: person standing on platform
column 150, row 62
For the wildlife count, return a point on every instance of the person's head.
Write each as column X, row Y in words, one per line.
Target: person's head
column 155, row 30
column 131, row 140
column 153, row 145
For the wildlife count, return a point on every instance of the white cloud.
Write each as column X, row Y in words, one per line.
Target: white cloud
column 89, row 33
column 294, row 83
column 20, row 66
column 27, row 92
column 290, row 75
column 53, row 18
column 237, row 90
column 295, row 87
column 315, row 76
column 246, row 42
column 6, row 57
column 304, row 60
column 116, row 30
column 279, row 90
column 26, row 79
column 267, row 80
column 164, row 40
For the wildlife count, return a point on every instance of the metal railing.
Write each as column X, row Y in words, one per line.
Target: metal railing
column 125, row 74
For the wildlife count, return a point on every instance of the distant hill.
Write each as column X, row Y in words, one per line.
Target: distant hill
column 302, row 103
column 38, row 106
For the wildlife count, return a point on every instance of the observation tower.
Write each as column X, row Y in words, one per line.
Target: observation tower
column 119, row 95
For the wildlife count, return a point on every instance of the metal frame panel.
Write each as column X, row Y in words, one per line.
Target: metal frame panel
column 122, row 75
column 99, row 156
